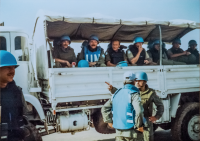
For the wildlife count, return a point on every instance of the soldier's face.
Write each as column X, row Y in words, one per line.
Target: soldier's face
column 93, row 44
column 115, row 45
column 140, row 83
column 176, row 45
column 7, row 74
column 65, row 44
column 138, row 45
column 193, row 47
column 157, row 47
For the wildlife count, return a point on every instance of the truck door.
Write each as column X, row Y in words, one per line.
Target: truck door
column 19, row 48
column 5, row 41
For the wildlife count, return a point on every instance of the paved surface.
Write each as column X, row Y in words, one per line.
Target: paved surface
column 92, row 135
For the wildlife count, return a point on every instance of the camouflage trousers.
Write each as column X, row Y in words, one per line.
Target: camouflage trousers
column 148, row 133
column 190, row 59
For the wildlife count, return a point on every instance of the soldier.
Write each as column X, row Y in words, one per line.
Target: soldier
column 115, row 53
column 92, row 53
column 193, row 50
column 154, row 54
column 136, row 54
column 127, row 116
column 12, row 101
column 63, row 54
column 148, row 97
column 177, row 54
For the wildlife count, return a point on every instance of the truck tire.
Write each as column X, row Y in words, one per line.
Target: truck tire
column 100, row 125
column 35, row 135
column 165, row 126
column 155, row 127
column 187, row 122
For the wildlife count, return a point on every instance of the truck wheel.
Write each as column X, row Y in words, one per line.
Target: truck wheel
column 35, row 135
column 155, row 127
column 186, row 126
column 165, row 126
column 100, row 125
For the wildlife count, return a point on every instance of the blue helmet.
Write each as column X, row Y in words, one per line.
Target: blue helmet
column 192, row 42
column 7, row 59
column 65, row 38
column 94, row 37
column 141, row 76
column 177, row 40
column 138, row 40
column 150, row 44
column 122, row 64
column 83, row 63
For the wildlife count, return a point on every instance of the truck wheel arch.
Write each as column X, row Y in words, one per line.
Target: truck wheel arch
column 35, row 102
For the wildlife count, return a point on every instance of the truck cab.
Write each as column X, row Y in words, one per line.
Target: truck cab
column 15, row 41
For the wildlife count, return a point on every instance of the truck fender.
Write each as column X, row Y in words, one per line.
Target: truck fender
column 35, row 102
column 174, row 101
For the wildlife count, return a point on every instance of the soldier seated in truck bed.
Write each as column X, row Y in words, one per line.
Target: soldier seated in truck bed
column 92, row 53
column 177, row 54
column 115, row 53
column 63, row 54
column 136, row 54
column 154, row 54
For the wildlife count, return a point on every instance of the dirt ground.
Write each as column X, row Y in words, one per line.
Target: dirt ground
column 92, row 135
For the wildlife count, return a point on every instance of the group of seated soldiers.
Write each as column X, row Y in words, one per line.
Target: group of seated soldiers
column 93, row 55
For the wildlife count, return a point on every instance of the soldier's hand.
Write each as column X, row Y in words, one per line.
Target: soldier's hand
column 68, row 64
column 140, row 49
column 184, row 52
column 141, row 129
column 92, row 63
column 110, row 125
column 152, row 119
column 146, row 61
column 188, row 53
column 109, row 86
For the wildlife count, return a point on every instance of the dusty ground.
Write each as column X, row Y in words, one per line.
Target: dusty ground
column 92, row 135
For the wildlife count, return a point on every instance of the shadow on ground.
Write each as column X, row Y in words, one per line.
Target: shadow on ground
column 164, row 135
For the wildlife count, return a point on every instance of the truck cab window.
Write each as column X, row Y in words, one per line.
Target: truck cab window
column 20, row 45
column 3, row 43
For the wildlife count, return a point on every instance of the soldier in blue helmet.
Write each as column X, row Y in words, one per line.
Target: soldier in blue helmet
column 124, row 111
column 148, row 97
column 12, row 102
column 177, row 54
column 136, row 54
column 115, row 53
column 92, row 53
column 193, row 50
column 154, row 54
column 64, row 55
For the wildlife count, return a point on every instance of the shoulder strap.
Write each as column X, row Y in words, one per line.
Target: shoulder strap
column 116, row 93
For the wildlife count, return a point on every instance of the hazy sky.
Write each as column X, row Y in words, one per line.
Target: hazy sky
column 21, row 13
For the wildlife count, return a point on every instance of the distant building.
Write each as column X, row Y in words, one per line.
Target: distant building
column 2, row 24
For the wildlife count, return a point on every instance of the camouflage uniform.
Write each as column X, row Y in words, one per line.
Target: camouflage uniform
column 129, row 134
column 130, row 56
column 148, row 98
column 64, row 54
column 165, row 60
column 190, row 59
column 108, row 57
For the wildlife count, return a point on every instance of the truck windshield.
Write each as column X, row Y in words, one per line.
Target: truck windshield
column 20, row 45
column 3, row 43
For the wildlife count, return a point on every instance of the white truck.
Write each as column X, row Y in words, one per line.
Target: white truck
column 70, row 99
